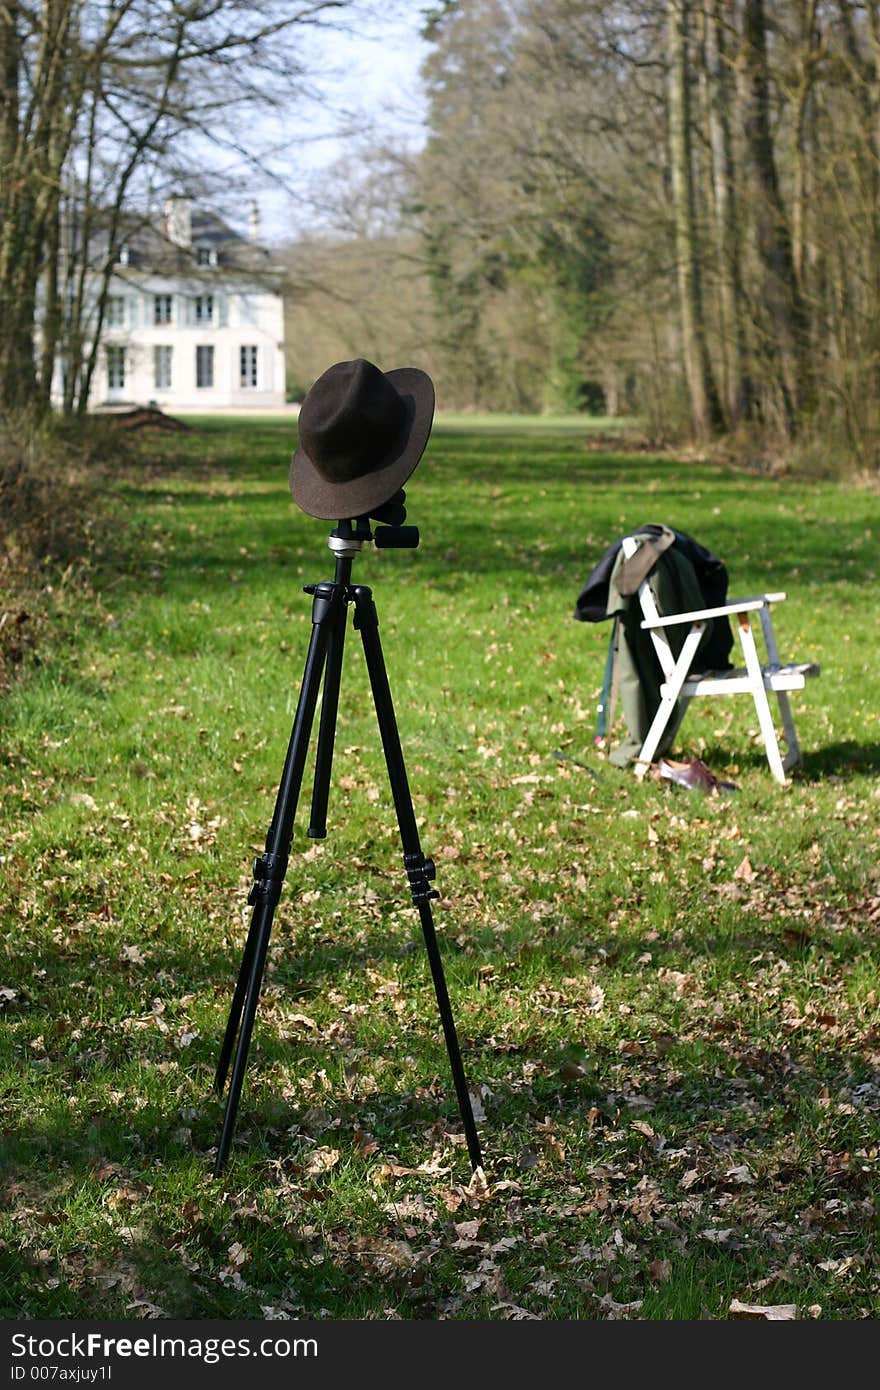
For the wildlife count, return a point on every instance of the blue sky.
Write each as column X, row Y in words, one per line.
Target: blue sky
column 370, row 81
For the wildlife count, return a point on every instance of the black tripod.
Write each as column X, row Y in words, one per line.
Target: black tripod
column 324, row 658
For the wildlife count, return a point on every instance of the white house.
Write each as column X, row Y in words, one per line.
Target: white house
column 194, row 318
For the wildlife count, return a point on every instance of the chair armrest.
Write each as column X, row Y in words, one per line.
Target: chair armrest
column 740, row 605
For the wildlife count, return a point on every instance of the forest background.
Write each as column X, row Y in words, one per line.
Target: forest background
column 664, row 209
column 667, row 209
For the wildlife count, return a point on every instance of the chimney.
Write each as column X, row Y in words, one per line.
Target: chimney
column 178, row 221
column 254, row 223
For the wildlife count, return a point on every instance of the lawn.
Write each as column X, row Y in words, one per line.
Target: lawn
column 667, row 1002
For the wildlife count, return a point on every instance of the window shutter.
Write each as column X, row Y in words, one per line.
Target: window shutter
column 222, row 310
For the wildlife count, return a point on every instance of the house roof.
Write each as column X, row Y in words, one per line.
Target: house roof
column 150, row 248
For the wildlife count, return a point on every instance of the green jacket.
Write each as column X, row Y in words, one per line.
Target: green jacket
column 674, row 585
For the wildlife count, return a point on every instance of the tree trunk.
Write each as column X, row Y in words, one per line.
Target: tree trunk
column 17, row 377
column 782, row 297
column 863, row 197
column 705, row 404
column 801, row 153
column 10, row 65
column 18, row 304
column 51, row 319
column 728, row 232
column 31, row 191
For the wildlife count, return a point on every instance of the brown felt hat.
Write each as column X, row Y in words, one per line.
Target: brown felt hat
column 361, row 435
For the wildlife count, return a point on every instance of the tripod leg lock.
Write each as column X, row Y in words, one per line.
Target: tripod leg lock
column 365, row 615
column 324, row 596
column 420, row 871
column 269, row 871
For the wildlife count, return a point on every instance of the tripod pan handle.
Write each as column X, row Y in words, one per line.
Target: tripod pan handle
column 398, row 537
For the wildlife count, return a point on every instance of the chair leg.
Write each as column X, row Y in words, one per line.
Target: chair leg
column 793, row 756
column 655, row 733
column 759, row 693
column 671, row 696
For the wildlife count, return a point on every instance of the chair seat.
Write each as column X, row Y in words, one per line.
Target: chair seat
column 737, row 681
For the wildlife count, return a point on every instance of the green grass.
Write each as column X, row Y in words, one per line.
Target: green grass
column 667, row 1003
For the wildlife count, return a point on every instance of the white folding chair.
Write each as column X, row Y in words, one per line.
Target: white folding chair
column 756, row 678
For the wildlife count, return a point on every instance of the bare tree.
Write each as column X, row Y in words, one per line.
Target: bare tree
column 677, row 198
column 705, row 404
column 721, row 118
column 98, row 102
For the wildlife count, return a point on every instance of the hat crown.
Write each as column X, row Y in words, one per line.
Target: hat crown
column 349, row 419
column 361, row 434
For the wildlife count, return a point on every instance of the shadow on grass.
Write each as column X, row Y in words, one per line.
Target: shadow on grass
column 177, row 1259
column 128, row 1163
column 470, row 544
column 113, row 1055
column 841, row 760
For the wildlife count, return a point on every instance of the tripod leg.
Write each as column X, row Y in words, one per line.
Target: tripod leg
column 296, row 753
column 419, row 869
column 235, row 1008
column 318, row 821
column 327, row 726
column 270, row 869
column 251, row 996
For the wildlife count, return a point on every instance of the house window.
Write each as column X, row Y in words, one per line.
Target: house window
column 162, row 368
column 203, row 306
column 162, row 308
column 204, row 366
column 115, row 368
column 248, row 367
column 114, row 313
column 206, row 255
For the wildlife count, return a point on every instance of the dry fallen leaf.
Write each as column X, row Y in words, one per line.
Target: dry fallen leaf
column 742, row 1174
column 744, row 873
column 772, row 1312
column 303, row 1020
column 513, row 1313
column 619, row 1312
column 717, row 1235
column 320, row 1160
column 365, row 1143
column 467, row 1233
column 478, row 1189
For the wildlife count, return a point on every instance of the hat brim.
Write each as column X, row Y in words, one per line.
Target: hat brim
column 343, row 501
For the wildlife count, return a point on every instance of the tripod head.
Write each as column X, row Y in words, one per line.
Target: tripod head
column 349, row 537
